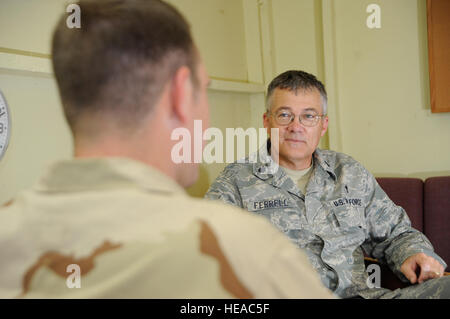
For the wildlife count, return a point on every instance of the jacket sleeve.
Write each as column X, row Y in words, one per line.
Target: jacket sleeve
column 392, row 239
column 225, row 189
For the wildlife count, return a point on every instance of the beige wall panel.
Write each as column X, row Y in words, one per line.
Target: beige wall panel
column 218, row 28
column 297, row 38
column 27, row 24
column 228, row 110
column 382, row 81
column 39, row 134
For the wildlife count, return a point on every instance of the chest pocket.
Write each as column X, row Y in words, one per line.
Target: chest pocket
column 348, row 227
column 348, row 217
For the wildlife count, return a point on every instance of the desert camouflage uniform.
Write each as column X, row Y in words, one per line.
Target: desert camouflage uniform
column 134, row 233
column 343, row 213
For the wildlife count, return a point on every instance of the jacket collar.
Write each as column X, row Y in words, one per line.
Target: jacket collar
column 84, row 174
column 266, row 168
column 326, row 161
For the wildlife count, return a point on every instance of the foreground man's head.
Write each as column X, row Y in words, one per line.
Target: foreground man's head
column 128, row 77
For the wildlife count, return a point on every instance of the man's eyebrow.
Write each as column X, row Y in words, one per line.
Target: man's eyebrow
column 310, row 109
column 284, row 108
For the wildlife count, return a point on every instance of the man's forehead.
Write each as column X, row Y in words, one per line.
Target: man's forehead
column 298, row 93
column 295, row 99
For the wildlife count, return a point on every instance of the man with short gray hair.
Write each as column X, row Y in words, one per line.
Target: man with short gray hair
column 327, row 203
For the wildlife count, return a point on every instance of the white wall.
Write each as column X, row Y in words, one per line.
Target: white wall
column 39, row 134
column 383, row 90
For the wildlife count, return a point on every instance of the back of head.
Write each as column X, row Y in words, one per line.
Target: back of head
column 294, row 80
column 115, row 66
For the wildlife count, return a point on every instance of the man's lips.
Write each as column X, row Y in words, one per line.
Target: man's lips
column 294, row 140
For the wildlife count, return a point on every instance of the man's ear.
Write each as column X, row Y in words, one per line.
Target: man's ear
column 181, row 95
column 324, row 126
column 266, row 123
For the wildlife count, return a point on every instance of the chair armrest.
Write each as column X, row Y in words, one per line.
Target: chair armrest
column 372, row 260
column 390, row 280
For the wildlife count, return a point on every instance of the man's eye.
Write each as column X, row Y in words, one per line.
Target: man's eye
column 284, row 115
column 309, row 116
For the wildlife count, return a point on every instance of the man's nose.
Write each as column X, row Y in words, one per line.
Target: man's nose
column 296, row 125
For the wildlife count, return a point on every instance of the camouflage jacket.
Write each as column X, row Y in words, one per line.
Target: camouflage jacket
column 344, row 213
column 116, row 228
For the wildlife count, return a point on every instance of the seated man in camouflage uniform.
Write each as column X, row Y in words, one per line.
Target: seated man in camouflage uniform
column 115, row 222
column 327, row 203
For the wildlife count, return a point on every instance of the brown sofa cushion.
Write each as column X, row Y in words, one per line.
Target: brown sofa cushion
column 407, row 193
column 437, row 218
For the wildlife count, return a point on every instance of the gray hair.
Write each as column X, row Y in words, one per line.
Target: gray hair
column 293, row 80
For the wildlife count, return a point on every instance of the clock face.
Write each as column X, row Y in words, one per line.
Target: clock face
column 5, row 125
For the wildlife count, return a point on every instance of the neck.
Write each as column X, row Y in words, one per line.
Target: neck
column 148, row 151
column 296, row 164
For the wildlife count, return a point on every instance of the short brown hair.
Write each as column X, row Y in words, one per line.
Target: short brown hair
column 117, row 63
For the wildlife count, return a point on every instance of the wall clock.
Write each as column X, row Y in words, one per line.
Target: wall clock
column 5, row 125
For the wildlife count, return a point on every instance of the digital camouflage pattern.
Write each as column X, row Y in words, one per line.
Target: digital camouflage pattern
column 344, row 213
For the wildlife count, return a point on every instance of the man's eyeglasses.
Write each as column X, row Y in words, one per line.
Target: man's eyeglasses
column 286, row 117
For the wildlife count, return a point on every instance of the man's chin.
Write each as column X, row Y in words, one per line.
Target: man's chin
column 293, row 146
column 295, row 154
